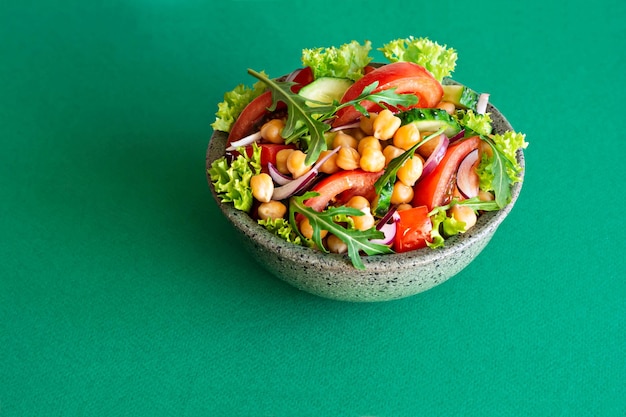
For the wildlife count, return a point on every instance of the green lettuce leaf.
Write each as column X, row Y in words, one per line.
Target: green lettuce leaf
column 347, row 61
column 439, row 60
column 282, row 228
column 479, row 123
column 234, row 103
column 232, row 182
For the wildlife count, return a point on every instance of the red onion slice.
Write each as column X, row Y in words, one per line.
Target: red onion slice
column 278, row 177
column 436, row 157
column 348, row 126
column 292, row 76
column 481, row 105
column 388, row 229
column 467, row 179
column 293, row 187
column 388, row 216
column 458, row 136
column 244, row 141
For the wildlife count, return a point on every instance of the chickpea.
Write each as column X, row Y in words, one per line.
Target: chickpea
column 391, row 152
column 271, row 131
column 404, row 206
column 429, row 147
column 448, row 106
column 330, row 166
column 464, row 214
column 271, row 210
column 485, row 196
column 358, row 202
column 385, row 125
column 344, row 140
column 356, row 133
column 411, row 171
column 281, row 160
column 401, row 193
column 296, row 165
column 348, row 158
column 262, row 187
column 307, row 230
column 336, row 245
column 366, row 221
column 366, row 124
column 369, row 142
column 372, row 160
column 406, row 136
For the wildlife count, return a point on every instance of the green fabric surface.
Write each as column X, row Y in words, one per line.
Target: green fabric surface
column 124, row 292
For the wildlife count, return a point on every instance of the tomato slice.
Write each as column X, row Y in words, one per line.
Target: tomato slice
column 412, row 229
column 406, row 77
column 339, row 187
column 437, row 188
column 256, row 111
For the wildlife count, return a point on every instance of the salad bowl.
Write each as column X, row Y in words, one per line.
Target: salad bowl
column 385, row 277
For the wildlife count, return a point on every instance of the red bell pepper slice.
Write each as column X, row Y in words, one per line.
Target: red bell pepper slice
column 268, row 152
column 406, row 77
column 437, row 188
column 412, row 229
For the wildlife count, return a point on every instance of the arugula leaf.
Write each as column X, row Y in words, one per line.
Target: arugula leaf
column 498, row 171
column 304, row 120
column 384, row 98
column 384, row 184
column 299, row 115
column 356, row 240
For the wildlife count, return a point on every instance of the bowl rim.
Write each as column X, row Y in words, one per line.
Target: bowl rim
column 486, row 224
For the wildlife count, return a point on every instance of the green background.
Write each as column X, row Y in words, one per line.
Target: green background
column 124, row 292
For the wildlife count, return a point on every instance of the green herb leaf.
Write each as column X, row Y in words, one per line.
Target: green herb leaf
column 299, row 115
column 384, row 98
column 384, row 184
column 356, row 240
column 306, row 120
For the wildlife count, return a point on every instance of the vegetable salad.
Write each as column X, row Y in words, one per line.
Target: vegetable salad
column 346, row 156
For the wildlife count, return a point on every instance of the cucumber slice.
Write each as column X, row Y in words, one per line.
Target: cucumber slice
column 462, row 97
column 431, row 120
column 325, row 90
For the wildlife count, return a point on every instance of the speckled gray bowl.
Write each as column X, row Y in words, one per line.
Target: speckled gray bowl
column 387, row 277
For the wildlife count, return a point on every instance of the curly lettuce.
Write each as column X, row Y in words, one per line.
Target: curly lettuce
column 479, row 123
column 439, row 60
column 282, row 228
column 232, row 181
column 347, row 61
column 234, row 103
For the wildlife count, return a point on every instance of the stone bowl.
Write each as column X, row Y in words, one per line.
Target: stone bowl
column 386, row 277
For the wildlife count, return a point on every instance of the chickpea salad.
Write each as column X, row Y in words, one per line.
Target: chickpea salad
column 352, row 157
